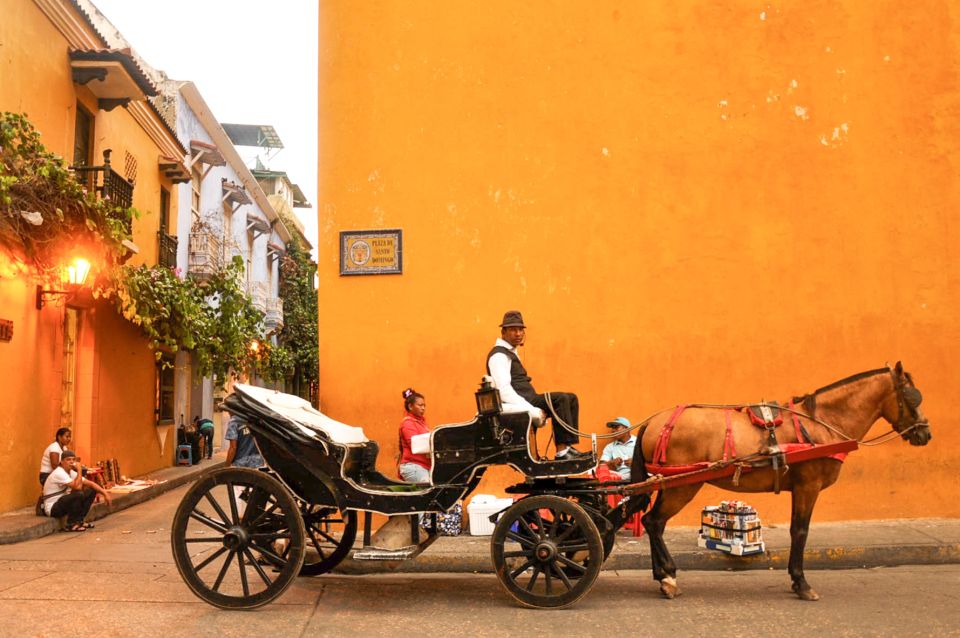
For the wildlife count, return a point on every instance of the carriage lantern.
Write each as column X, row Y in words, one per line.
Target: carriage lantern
column 488, row 398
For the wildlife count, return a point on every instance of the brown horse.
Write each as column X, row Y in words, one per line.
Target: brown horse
column 840, row 411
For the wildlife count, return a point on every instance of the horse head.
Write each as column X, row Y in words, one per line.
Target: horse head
column 902, row 408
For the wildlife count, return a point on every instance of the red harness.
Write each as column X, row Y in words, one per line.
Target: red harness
column 658, row 464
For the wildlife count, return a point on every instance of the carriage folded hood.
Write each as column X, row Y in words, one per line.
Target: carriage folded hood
column 300, row 412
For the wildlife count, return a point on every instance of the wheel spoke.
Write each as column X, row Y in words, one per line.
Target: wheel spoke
column 263, row 512
column 524, row 542
column 243, row 574
column 209, row 522
column 566, row 533
column 203, row 540
column 523, row 521
column 232, row 499
column 269, row 554
column 533, row 579
column 539, row 518
column 562, row 576
column 553, row 526
column 256, row 565
column 518, row 554
column 571, row 564
column 328, row 537
column 216, row 506
column 521, row 569
column 316, row 545
column 548, row 581
column 223, row 571
column 579, row 547
column 212, row 557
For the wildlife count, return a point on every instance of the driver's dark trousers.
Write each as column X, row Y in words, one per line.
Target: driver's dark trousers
column 567, row 407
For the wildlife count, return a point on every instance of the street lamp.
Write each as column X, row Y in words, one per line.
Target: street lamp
column 76, row 272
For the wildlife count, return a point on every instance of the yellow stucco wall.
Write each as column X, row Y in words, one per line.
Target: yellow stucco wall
column 116, row 377
column 693, row 201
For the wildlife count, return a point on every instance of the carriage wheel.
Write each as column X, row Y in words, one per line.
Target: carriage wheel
column 330, row 536
column 547, row 552
column 238, row 538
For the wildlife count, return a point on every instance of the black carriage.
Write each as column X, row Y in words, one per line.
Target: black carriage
column 241, row 536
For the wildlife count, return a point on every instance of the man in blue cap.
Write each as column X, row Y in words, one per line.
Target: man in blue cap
column 618, row 454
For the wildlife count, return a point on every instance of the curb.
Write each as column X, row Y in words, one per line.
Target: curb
column 855, row 557
column 25, row 525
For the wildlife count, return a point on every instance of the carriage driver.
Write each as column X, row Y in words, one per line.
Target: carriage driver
column 618, row 455
column 517, row 393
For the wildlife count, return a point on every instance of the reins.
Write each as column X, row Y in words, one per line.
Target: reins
column 877, row 440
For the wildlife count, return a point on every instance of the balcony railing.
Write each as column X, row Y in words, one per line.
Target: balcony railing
column 274, row 316
column 258, row 295
column 205, row 255
column 167, row 253
column 107, row 184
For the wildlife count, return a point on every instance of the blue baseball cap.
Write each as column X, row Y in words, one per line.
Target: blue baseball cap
column 619, row 422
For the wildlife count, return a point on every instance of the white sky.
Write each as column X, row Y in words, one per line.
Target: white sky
column 254, row 62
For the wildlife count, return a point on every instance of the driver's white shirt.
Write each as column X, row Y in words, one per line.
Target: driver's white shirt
column 499, row 365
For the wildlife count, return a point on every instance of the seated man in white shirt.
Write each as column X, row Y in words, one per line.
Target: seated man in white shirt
column 66, row 493
column 618, row 455
column 517, row 393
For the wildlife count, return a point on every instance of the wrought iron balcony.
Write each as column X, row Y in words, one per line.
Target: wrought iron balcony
column 274, row 316
column 205, row 255
column 108, row 184
column 167, row 252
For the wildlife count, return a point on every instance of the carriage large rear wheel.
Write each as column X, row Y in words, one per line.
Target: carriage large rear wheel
column 330, row 536
column 547, row 552
column 238, row 538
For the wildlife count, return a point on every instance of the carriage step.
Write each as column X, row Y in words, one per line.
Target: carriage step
column 375, row 553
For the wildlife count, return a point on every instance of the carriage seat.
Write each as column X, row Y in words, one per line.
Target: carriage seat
column 299, row 412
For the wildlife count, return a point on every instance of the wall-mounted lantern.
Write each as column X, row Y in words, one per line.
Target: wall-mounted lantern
column 76, row 276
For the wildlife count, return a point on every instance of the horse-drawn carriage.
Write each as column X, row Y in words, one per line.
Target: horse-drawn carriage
column 241, row 536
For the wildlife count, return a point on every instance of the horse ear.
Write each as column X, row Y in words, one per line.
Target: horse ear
column 899, row 368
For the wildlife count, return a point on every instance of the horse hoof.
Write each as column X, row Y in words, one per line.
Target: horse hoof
column 808, row 594
column 668, row 587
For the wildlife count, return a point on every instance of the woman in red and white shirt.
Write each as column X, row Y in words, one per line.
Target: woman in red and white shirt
column 414, row 468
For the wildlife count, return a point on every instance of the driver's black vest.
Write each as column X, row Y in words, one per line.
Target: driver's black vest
column 519, row 378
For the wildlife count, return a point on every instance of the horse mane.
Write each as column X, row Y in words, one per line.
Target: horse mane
column 809, row 401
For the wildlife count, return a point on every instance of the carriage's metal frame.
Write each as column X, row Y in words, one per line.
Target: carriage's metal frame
column 547, row 548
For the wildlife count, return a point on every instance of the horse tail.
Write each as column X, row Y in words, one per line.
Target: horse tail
column 638, row 467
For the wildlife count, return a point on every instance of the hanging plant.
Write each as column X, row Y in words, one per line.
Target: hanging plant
column 44, row 210
column 215, row 321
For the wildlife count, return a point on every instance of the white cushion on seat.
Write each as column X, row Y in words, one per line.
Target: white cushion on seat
column 302, row 413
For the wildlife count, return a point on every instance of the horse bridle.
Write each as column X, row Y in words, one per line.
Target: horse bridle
column 909, row 399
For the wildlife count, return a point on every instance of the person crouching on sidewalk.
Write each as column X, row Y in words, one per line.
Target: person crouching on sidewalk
column 67, row 493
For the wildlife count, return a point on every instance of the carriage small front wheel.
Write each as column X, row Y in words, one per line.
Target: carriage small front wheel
column 238, row 538
column 547, row 552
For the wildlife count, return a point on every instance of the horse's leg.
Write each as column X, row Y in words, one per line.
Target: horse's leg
column 805, row 493
column 669, row 502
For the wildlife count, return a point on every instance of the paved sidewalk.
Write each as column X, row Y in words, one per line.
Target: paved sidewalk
column 21, row 525
column 881, row 543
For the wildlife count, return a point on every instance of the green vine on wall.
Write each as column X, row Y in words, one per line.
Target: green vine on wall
column 213, row 320
column 45, row 211
column 300, row 333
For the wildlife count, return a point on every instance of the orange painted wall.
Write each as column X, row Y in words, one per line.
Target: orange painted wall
column 116, row 377
column 691, row 201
